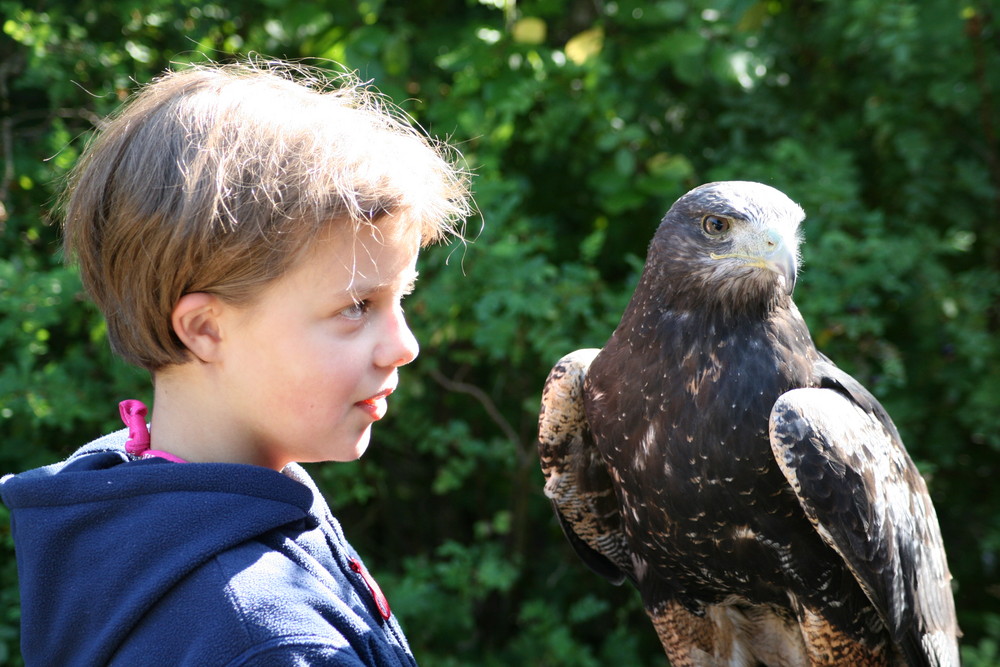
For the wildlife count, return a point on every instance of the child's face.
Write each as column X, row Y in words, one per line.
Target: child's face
column 307, row 368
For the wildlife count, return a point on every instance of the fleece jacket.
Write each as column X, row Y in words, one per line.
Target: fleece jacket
column 150, row 562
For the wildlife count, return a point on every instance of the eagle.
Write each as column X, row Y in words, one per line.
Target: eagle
column 757, row 496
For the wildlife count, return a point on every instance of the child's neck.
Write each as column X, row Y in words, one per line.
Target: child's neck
column 191, row 421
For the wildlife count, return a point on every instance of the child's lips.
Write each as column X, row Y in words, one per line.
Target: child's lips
column 376, row 406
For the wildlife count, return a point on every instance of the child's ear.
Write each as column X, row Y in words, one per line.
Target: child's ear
column 196, row 321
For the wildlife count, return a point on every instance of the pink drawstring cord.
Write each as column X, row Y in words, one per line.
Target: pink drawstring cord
column 134, row 413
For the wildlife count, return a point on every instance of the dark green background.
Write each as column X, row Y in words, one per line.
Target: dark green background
column 582, row 120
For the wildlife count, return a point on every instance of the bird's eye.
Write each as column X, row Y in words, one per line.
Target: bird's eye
column 715, row 225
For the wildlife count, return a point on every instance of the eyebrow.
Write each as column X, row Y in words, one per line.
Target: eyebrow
column 405, row 281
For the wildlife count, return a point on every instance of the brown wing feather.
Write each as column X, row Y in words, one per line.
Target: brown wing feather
column 866, row 499
column 576, row 477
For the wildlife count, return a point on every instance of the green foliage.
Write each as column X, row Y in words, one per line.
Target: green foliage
column 582, row 122
column 987, row 652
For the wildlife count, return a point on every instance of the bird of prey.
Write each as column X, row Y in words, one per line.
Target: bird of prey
column 757, row 496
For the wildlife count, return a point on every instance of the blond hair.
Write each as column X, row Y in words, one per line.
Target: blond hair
column 214, row 178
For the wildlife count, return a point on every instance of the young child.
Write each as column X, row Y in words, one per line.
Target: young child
column 249, row 236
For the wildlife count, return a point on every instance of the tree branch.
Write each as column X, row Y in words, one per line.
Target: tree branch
column 483, row 398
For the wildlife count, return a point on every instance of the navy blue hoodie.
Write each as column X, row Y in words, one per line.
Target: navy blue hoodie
column 148, row 562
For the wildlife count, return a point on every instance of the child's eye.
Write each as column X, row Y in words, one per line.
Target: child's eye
column 357, row 311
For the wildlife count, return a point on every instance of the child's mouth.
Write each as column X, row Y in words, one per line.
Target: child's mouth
column 376, row 406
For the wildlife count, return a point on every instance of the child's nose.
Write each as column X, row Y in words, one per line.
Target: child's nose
column 399, row 347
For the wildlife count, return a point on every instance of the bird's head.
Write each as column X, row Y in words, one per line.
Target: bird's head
column 734, row 242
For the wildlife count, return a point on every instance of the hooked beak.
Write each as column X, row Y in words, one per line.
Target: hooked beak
column 776, row 257
column 782, row 261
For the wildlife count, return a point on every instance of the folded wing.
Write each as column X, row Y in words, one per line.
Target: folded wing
column 859, row 488
column 576, row 478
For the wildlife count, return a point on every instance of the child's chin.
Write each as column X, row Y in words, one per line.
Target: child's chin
column 360, row 451
column 359, row 448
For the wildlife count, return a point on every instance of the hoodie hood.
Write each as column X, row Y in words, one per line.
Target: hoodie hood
column 101, row 537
